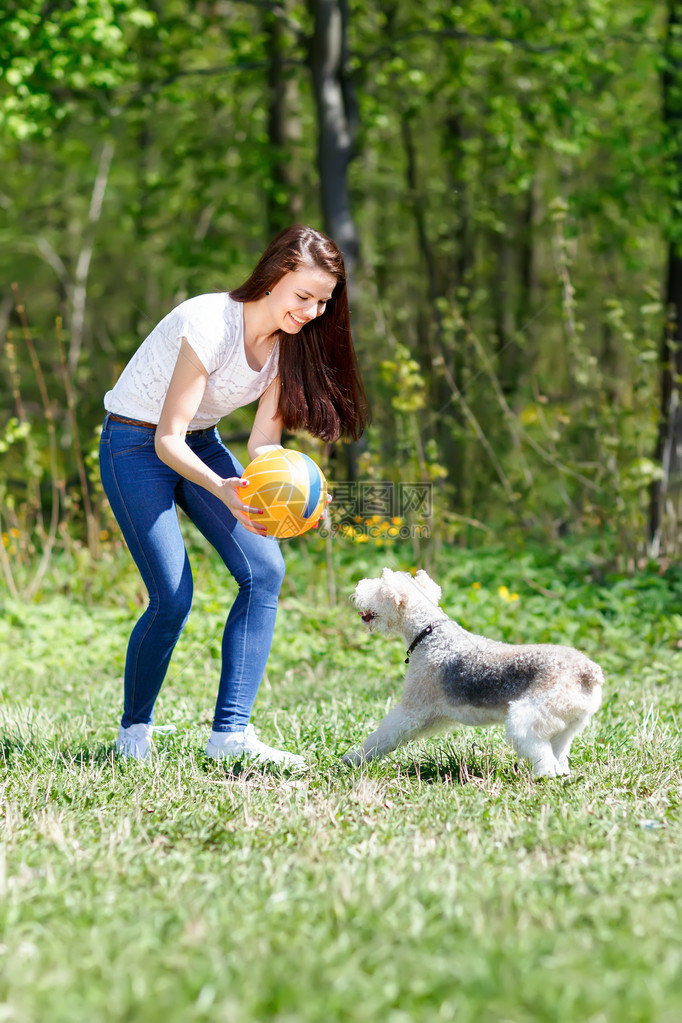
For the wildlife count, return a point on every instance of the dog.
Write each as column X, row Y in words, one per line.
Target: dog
column 545, row 694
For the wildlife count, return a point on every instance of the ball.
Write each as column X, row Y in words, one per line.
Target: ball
column 290, row 489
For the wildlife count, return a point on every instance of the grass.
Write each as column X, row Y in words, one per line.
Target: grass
column 440, row 884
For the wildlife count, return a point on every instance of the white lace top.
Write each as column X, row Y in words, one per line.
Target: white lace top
column 214, row 327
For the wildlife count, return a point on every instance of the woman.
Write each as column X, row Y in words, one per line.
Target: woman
column 284, row 337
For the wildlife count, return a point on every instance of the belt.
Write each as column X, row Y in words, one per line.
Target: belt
column 131, row 422
column 152, row 426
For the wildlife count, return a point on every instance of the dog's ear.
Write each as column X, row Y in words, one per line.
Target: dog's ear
column 425, row 583
column 392, row 584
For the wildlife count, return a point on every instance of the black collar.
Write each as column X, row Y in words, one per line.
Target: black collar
column 422, row 635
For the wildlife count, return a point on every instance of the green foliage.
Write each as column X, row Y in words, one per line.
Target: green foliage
column 513, row 184
column 407, row 383
column 54, row 59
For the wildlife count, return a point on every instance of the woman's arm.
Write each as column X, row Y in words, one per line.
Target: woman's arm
column 185, row 391
column 266, row 432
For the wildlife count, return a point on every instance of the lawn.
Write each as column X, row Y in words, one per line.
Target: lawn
column 440, row 884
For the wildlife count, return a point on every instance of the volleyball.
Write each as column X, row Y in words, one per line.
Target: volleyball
column 290, row 489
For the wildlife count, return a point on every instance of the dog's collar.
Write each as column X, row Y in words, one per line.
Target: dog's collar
column 422, row 635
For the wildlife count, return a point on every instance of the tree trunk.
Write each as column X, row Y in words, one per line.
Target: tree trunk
column 80, row 286
column 335, row 112
column 460, row 274
column 284, row 203
column 668, row 449
column 511, row 291
column 502, row 301
column 336, row 116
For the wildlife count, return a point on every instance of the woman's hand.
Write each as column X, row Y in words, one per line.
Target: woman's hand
column 228, row 492
column 185, row 392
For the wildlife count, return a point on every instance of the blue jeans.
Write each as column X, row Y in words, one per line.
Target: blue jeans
column 144, row 494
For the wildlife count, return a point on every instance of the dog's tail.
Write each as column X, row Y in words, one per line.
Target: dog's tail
column 591, row 676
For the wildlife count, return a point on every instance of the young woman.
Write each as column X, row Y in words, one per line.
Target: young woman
column 284, row 337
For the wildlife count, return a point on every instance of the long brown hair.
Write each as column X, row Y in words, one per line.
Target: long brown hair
column 321, row 389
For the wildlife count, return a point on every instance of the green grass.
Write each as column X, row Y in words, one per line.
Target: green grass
column 440, row 884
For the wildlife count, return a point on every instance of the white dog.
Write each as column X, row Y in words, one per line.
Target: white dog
column 544, row 694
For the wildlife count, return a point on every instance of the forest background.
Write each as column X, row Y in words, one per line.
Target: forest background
column 504, row 180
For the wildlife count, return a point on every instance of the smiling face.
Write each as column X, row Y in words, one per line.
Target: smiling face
column 299, row 297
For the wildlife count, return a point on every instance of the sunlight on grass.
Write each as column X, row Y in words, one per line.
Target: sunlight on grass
column 443, row 883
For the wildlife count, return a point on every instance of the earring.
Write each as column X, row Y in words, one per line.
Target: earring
column 267, row 292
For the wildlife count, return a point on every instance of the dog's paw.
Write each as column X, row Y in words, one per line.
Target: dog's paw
column 352, row 758
column 545, row 769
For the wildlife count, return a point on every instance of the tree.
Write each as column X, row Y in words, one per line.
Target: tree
column 668, row 450
column 493, row 172
column 335, row 115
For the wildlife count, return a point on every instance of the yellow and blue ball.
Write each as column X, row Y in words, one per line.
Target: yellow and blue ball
column 289, row 487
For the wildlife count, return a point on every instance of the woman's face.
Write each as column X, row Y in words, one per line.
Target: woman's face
column 299, row 297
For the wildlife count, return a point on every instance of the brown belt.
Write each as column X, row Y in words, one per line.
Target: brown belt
column 131, row 422
column 152, row 426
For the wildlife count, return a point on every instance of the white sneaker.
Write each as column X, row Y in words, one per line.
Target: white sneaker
column 136, row 740
column 247, row 744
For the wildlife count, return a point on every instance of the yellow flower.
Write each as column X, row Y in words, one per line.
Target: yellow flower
column 397, row 521
column 475, row 586
column 104, row 534
column 503, row 592
column 14, row 532
column 5, row 539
